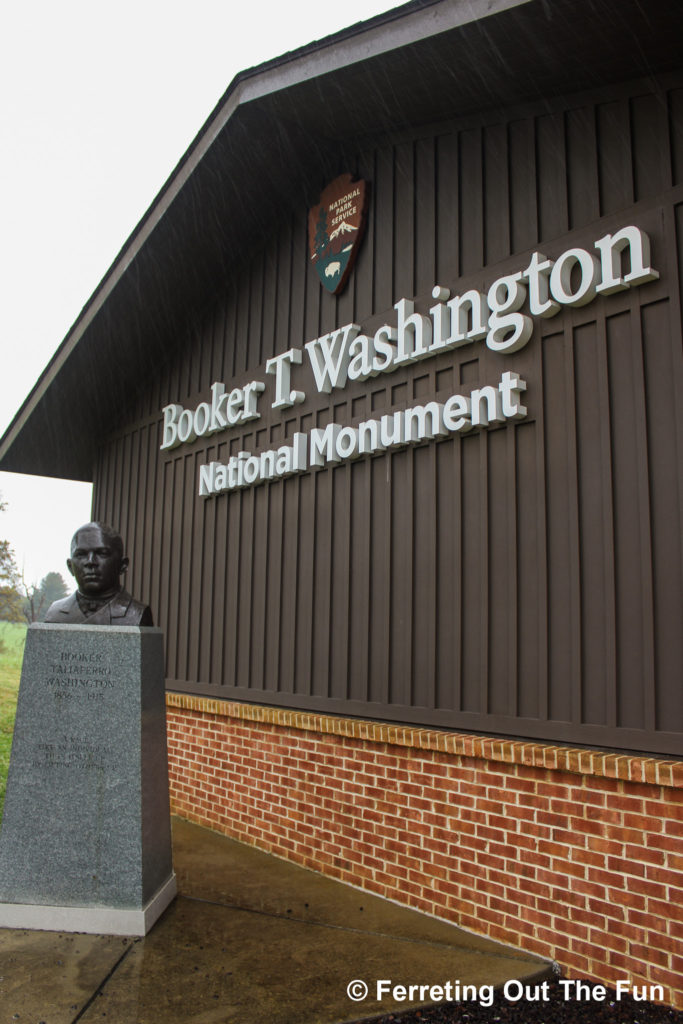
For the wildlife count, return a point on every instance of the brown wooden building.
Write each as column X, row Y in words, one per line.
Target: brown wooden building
column 499, row 600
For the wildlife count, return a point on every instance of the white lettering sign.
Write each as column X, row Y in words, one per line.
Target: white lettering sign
column 574, row 279
column 483, row 407
column 226, row 410
column 502, row 317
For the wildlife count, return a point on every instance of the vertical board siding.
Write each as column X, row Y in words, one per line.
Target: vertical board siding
column 662, row 411
column 522, row 580
column 360, row 579
column 615, row 159
column 551, row 176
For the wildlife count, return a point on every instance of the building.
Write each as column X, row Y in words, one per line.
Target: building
column 430, row 645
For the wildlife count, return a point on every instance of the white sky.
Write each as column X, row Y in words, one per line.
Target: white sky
column 99, row 102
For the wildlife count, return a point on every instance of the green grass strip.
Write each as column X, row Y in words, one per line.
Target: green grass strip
column 12, row 637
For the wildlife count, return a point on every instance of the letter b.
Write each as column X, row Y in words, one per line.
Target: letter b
column 171, row 415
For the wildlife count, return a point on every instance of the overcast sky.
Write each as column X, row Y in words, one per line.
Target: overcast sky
column 99, row 102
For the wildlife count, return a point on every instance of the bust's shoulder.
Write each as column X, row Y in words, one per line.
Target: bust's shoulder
column 58, row 609
column 134, row 612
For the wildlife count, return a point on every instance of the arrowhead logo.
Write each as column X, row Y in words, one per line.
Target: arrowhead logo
column 335, row 230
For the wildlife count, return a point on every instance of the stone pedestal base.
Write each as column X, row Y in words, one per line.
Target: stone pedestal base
column 86, row 837
column 92, row 920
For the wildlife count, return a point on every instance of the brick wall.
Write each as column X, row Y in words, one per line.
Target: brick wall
column 573, row 854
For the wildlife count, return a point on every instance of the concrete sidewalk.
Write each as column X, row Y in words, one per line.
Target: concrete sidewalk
column 250, row 940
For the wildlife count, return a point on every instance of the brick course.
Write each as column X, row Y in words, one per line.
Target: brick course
column 576, row 855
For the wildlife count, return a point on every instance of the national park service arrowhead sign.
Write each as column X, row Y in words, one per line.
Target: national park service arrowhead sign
column 335, row 230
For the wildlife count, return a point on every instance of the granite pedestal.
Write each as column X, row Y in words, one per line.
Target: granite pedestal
column 86, row 840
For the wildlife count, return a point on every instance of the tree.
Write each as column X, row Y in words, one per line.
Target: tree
column 10, row 598
column 53, row 587
column 38, row 598
column 32, row 601
column 321, row 235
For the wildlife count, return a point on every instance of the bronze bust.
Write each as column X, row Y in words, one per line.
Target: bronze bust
column 97, row 562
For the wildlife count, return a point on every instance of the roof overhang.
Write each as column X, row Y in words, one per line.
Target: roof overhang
column 281, row 130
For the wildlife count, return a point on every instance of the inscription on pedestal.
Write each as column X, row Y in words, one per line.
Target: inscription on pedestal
column 76, row 678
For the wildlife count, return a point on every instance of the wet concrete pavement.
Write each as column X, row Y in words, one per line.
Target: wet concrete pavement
column 250, row 940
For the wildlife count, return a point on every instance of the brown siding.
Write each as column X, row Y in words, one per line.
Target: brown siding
column 524, row 580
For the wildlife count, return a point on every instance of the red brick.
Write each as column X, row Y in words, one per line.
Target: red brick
column 644, row 822
column 671, row 808
column 653, row 890
column 643, row 854
column 649, row 954
column 623, row 866
column 664, row 842
column 620, row 834
column 672, row 985
column 571, row 869
column 608, row 785
column 629, row 931
column 591, row 796
column 589, row 826
column 675, row 862
column 551, row 819
column 676, row 895
column 589, row 917
column 632, row 966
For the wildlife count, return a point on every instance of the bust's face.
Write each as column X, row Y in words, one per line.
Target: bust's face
column 95, row 563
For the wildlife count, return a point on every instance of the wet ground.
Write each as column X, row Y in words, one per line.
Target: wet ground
column 249, row 940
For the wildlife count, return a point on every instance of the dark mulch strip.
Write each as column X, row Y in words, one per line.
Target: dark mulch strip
column 555, row 1010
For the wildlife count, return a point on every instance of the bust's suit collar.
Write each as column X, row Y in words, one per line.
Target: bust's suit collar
column 116, row 608
column 119, row 605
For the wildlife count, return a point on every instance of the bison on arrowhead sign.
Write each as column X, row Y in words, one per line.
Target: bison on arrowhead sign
column 335, row 230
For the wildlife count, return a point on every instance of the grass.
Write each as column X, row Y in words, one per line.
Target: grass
column 12, row 638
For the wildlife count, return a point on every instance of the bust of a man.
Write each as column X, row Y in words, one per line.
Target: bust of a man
column 97, row 563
